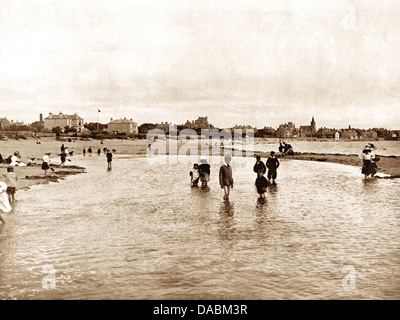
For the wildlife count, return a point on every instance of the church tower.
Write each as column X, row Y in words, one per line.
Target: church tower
column 313, row 126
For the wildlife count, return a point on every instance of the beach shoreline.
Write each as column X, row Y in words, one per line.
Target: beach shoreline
column 389, row 165
column 34, row 175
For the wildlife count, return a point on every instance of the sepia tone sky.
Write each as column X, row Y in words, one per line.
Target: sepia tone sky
column 251, row 62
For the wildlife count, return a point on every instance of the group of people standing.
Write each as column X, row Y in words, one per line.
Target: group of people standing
column 260, row 168
column 201, row 173
column 106, row 151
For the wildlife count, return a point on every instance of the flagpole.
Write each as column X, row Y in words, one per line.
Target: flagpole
column 98, row 120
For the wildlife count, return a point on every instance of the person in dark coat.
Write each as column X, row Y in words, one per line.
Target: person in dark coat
column 63, row 157
column 204, row 171
column 225, row 177
column 259, row 166
column 281, row 147
column 261, row 185
column 109, row 159
column 272, row 165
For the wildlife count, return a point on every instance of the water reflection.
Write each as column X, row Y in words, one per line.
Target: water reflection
column 315, row 221
column 261, row 202
column 226, row 220
column 227, row 208
column 273, row 189
column 262, row 207
column 205, row 189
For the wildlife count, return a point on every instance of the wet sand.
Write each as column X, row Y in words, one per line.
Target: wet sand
column 29, row 149
column 34, row 175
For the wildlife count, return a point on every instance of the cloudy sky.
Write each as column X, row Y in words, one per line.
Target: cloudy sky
column 251, row 62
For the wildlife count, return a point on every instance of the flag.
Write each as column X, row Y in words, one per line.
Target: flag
column 98, row 110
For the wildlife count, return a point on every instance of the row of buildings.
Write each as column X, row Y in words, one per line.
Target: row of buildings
column 127, row 126
column 76, row 123
column 5, row 123
column 289, row 130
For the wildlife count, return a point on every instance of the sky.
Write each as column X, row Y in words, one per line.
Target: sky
column 253, row 62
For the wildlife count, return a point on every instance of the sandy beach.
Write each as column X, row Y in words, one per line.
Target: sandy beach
column 32, row 175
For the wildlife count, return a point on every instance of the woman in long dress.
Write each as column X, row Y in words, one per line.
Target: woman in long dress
column 369, row 165
column 4, row 203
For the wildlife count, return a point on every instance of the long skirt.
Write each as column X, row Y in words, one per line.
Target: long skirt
column 4, row 203
column 369, row 167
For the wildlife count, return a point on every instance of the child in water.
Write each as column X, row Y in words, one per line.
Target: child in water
column 261, row 184
column 195, row 176
column 272, row 165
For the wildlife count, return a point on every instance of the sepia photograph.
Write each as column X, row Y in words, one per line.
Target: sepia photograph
column 199, row 150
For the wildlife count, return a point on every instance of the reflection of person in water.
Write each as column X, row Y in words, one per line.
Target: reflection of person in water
column 369, row 162
column 226, row 221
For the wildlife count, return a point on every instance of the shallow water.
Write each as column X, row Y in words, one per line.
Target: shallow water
column 140, row 232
